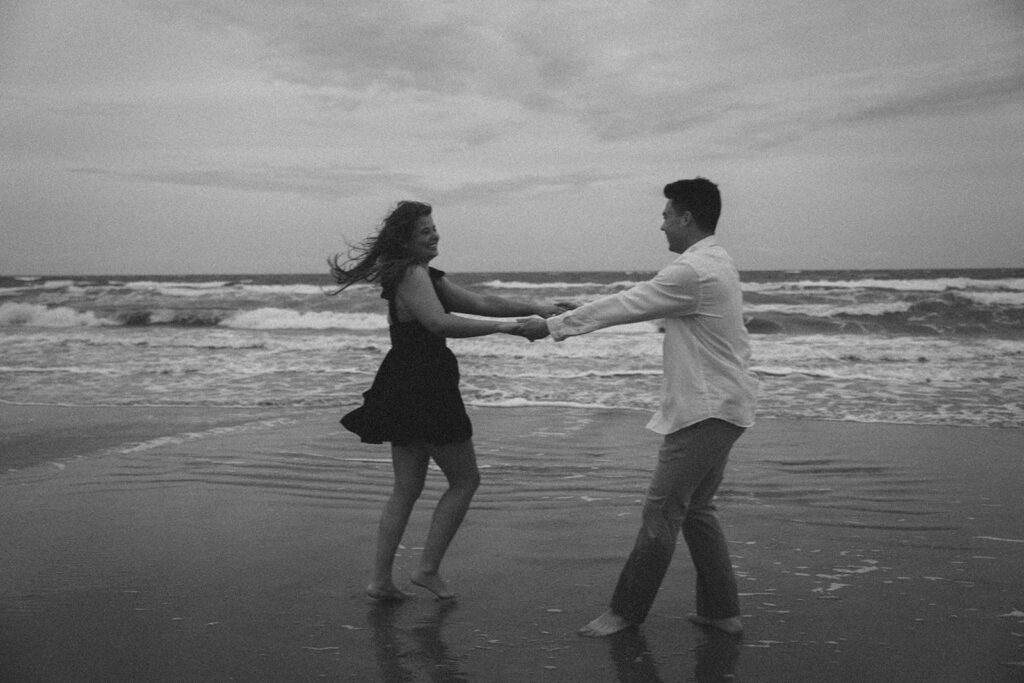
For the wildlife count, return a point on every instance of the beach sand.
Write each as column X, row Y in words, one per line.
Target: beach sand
column 171, row 544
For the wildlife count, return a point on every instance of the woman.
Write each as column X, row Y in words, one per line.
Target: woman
column 414, row 401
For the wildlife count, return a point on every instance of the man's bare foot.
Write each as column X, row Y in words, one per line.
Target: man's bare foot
column 387, row 592
column 433, row 583
column 605, row 625
column 732, row 625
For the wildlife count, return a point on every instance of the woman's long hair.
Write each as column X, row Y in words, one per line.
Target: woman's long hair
column 383, row 257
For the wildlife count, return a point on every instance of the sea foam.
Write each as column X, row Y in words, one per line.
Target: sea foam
column 36, row 315
column 285, row 319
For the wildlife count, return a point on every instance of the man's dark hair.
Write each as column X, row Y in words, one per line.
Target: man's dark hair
column 700, row 197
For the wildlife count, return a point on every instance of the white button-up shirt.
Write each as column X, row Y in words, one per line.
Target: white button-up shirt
column 706, row 349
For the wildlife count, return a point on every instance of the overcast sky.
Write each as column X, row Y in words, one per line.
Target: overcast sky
column 244, row 136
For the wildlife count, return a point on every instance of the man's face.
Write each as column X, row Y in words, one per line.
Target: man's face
column 675, row 228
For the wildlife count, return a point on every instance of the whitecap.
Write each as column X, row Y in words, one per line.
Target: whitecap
column 35, row 315
column 287, row 319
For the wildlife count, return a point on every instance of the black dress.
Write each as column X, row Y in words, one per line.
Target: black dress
column 415, row 396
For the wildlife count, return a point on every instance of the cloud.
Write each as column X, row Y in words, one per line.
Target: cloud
column 358, row 44
column 518, row 187
column 322, row 182
column 355, row 182
column 939, row 97
column 752, row 120
column 542, row 56
column 623, row 72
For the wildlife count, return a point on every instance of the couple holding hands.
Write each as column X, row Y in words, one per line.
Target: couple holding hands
column 708, row 397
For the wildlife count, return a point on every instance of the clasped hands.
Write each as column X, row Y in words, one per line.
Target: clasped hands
column 532, row 328
column 536, row 327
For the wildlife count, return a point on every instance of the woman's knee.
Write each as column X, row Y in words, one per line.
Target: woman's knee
column 407, row 489
column 466, row 482
column 458, row 462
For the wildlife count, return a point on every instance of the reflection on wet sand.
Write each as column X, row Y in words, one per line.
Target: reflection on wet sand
column 715, row 657
column 408, row 645
column 404, row 652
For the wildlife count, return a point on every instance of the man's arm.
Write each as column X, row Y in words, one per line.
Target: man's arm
column 673, row 292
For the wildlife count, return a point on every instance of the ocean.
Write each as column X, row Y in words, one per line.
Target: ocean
column 913, row 347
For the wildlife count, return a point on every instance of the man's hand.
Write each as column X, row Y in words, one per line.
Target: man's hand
column 532, row 328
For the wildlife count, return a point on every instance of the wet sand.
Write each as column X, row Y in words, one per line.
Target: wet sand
column 186, row 544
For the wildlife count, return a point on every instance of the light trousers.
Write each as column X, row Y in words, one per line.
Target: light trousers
column 691, row 464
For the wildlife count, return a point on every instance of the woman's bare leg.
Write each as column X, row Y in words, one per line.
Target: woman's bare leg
column 410, row 468
column 458, row 462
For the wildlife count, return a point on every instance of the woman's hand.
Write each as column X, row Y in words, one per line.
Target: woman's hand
column 532, row 328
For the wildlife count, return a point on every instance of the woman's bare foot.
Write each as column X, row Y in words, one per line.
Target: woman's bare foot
column 386, row 592
column 433, row 583
column 732, row 625
column 605, row 625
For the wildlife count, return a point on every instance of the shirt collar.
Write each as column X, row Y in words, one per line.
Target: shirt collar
column 704, row 243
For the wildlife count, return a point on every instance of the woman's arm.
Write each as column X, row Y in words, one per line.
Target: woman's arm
column 466, row 301
column 416, row 294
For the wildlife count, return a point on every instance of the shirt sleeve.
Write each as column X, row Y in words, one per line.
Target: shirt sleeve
column 673, row 292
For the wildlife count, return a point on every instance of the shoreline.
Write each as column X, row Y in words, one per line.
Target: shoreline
column 236, row 543
column 32, row 434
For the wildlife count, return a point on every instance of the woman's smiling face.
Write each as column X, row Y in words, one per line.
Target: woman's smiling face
column 423, row 242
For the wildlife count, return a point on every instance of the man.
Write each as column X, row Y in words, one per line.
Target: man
column 707, row 402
